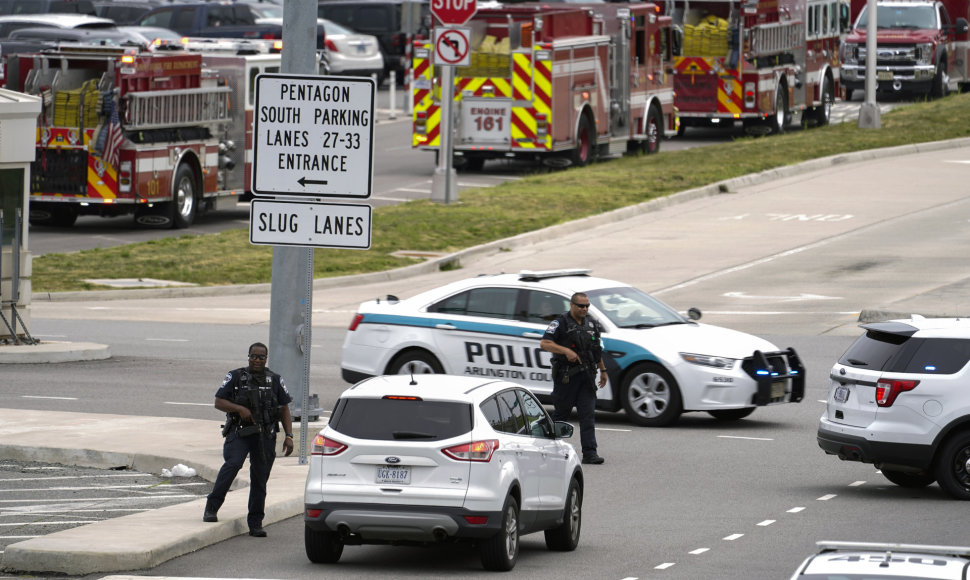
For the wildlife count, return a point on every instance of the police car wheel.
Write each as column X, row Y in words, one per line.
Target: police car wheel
column 415, row 363
column 322, row 547
column 651, row 397
column 953, row 466
column 731, row 414
column 908, row 478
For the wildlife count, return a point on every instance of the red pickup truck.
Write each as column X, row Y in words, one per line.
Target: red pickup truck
column 922, row 47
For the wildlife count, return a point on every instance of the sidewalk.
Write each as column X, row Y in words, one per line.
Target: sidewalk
column 143, row 540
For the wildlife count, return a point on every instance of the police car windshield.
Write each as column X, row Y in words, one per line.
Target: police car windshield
column 629, row 307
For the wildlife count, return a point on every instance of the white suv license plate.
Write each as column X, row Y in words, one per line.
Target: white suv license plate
column 841, row 394
column 400, row 475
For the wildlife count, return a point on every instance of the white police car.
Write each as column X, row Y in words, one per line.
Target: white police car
column 660, row 363
column 877, row 561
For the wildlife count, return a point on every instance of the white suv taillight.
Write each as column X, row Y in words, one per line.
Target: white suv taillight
column 475, row 451
column 888, row 389
column 325, row 446
column 355, row 322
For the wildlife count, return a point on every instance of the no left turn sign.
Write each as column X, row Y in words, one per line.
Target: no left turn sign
column 451, row 46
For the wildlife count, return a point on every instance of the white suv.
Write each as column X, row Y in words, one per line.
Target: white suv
column 899, row 398
column 435, row 458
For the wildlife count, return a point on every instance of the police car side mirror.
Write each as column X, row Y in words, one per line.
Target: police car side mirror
column 694, row 313
column 563, row 430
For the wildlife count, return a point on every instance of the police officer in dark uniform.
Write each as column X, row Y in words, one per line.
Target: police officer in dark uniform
column 256, row 401
column 577, row 361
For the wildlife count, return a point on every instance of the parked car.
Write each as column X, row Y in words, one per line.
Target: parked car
column 156, row 37
column 432, row 459
column 880, row 561
column 348, row 53
column 898, row 399
column 90, row 36
column 10, row 23
column 125, row 12
column 47, row 7
column 388, row 20
column 660, row 363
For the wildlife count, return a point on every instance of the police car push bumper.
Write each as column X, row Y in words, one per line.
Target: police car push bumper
column 772, row 372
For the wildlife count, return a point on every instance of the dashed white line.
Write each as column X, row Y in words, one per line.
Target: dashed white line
column 196, row 404
column 167, row 339
column 43, row 397
column 52, row 523
column 664, row 566
column 732, row 537
column 826, row 497
column 749, row 438
column 612, row 429
column 766, row 523
column 795, row 510
column 698, row 551
column 857, row 483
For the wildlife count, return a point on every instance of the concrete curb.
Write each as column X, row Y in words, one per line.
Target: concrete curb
column 524, row 239
column 53, row 352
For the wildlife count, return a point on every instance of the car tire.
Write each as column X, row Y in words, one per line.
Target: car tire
column 908, row 478
column 415, row 362
column 565, row 536
column 650, row 396
column 731, row 414
column 322, row 547
column 501, row 551
column 953, row 466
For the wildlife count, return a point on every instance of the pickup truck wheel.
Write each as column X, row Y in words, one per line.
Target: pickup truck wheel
column 953, row 466
column 941, row 80
column 184, row 197
column 322, row 547
column 908, row 479
column 650, row 396
column 501, row 551
column 565, row 536
column 415, row 363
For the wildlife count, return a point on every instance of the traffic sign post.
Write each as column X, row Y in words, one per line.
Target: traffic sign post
column 455, row 12
column 313, row 136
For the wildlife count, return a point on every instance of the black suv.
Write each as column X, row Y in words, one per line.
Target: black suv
column 385, row 19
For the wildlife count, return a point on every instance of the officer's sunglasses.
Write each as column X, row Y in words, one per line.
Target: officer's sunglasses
column 258, row 356
column 578, row 305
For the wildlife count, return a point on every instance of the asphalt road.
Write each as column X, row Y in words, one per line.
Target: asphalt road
column 794, row 261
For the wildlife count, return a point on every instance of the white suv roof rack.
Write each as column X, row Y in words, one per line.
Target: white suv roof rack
column 891, row 547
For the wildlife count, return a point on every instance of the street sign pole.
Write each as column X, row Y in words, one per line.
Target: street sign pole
column 444, row 183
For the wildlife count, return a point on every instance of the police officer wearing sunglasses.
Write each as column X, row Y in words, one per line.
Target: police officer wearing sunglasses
column 255, row 401
column 578, row 370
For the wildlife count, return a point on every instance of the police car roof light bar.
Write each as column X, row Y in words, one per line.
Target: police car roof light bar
column 533, row 275
column 961, row 551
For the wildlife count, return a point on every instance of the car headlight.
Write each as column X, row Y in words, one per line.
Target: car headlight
column 718, row 362
column 850, row 53
column 924, row 53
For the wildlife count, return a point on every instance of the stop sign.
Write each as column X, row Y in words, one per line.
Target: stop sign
column 454, row 12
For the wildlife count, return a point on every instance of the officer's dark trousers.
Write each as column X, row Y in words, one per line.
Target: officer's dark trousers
column 234, row 452
column 580, row 393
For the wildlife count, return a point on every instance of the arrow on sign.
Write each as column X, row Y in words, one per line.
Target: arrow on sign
column 303, row 181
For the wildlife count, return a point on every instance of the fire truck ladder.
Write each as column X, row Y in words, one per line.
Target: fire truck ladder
column 178, row 108
column 773, row 38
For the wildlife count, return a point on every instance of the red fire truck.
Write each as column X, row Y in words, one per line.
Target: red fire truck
column 923, row 47
column 159, row 135
column 556, row 83
column 762, row 62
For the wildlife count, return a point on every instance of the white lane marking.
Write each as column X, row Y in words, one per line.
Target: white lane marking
column 143, row 486
column 732, row 537
column 783, row 312
column 822, row 401
column 612, row 429
column 795, row 510
column 52, row 523
column 113, row 499
column 857, row 483
column 800, row 298
column 749, row 438
column 28, row 510
column 53, row 477
column 17, row 537
column 766, row 523
column 196, row 404
column 50, row 336
column 826, row 497
column 43, row 397
column 664, row 566
column 167, row 339
column 698, row 551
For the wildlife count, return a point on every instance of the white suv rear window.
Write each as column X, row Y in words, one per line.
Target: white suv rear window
column 895, row 353
column 401, row 419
